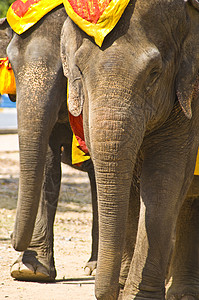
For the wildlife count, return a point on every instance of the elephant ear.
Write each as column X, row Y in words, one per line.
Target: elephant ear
column 70, row 43
column 5, row 36
column 2, row 21
column 187, row 81
column 4, row 26
column 75, row 93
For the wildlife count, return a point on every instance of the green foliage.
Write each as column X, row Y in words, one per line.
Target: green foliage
column 4, row 5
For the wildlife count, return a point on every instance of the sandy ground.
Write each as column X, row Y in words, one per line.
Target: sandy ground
column 72, row 233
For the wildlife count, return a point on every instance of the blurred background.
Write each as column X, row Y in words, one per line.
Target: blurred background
column 8, row 115
column 4, row 5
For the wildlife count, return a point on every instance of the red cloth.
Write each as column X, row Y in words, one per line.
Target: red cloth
column 76, row 124
column 20, row 8
column 89, row 10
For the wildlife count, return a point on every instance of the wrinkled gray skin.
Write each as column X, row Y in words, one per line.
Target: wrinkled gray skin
column 43, row 128
column 184, row 267
column 5, row 36
column 139, row 106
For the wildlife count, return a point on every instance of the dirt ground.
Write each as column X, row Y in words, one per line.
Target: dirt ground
column 72, row 233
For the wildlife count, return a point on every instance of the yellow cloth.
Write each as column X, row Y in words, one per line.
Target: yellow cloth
column 107, row 20
column 7, row 79
column 22, row 14
column 196, row 172
column 78, row 156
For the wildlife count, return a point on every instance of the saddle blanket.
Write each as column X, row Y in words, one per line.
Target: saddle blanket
column 96, row 17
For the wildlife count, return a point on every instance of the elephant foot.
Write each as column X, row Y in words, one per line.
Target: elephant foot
column 28, row 268
column 90, row 267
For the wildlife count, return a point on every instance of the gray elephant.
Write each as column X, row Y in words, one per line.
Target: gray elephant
column 43, row 129
column 139, row 93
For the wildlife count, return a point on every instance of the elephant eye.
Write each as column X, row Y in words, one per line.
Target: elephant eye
column 152, row 78
column 154, row 75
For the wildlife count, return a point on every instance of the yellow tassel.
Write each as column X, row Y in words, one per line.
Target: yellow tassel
column 7, row 79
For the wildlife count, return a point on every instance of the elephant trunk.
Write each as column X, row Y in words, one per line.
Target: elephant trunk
column 35, row 123
column 115, row 137
column 31, row 174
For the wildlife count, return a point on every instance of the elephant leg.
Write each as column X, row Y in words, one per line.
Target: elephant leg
column 132, row 225
column 37, row 262
column 87, row 166
column 184, row 269
column 161, row 199
column 91, row 265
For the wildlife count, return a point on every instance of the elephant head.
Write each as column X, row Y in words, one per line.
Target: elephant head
column 129, row 88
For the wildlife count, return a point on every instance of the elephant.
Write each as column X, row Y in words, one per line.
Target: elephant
column 139, row 96
column 43, row 130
